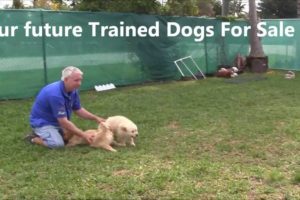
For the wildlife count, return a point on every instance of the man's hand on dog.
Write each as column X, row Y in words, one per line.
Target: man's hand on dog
column 100, row 120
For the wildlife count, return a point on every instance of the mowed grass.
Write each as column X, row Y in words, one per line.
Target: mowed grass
column 206, row 139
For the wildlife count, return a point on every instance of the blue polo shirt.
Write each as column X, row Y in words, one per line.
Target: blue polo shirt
column 51, row 103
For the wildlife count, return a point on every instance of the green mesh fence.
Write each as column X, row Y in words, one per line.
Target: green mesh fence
column 28, row 63
column 283, row 52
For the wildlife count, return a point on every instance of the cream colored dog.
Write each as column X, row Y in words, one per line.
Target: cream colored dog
column 103, row 138
column 124, row 130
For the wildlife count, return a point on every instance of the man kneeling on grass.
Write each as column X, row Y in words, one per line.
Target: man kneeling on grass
column 52, row 109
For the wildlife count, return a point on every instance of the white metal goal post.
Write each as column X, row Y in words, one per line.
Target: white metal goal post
column 185, row 64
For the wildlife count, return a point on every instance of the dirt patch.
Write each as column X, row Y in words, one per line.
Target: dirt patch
column 174, row 125
column 122, row 172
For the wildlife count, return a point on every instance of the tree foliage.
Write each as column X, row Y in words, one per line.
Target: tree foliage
column 206, row 8
column 278, row 8
column 209, row 8
column 190, row 7
column 136, row 6
column 217, row 7
column 91, row 5
column 181, row 7
column 49, row 4
column 233, row 8
column 236, row 8
column 17, row 4
column 172, row 7
column 203, row 8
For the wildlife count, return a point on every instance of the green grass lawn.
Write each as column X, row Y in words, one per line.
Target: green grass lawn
column 207, row 139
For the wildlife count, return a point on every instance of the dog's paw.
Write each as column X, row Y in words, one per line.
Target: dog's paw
column 119, row 144
column 132, row 144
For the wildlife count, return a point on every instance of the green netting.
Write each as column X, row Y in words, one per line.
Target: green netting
column 21, row 58
column 283, row 52
column 28, row 63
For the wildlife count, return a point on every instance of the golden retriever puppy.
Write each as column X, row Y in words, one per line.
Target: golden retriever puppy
column 124, row 130
column 103, row 138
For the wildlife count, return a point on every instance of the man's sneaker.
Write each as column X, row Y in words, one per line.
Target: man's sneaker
column 29, row 137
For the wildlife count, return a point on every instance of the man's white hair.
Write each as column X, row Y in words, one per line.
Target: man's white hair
column 68, row 71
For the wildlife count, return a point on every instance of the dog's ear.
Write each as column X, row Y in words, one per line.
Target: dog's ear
column 123, row 128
